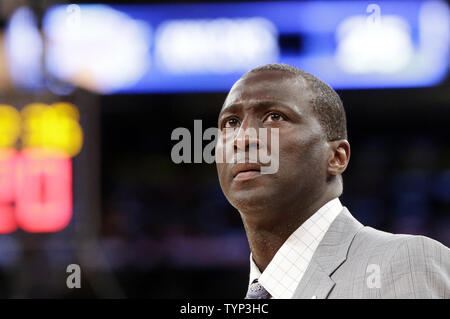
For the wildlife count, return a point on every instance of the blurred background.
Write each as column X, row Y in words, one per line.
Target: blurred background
column 90, row 94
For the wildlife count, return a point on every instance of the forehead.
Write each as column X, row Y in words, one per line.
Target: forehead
column 271, row 85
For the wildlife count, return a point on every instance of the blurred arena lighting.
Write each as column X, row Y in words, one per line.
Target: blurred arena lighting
column 52, row 128
column 384, row 47
column 434, row 26
column 10, row 125
column 198, row 48
column 387, row 46
column 43, row 191
column 217, row 46
column 96, row 47
column 24, row 50
column 8, row 221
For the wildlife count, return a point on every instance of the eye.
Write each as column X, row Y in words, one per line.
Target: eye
column 274, row 117
column 230, row 123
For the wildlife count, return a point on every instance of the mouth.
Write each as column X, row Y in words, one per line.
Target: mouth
column 246, row 171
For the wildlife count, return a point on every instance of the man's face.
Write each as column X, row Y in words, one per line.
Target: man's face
column 272, row 99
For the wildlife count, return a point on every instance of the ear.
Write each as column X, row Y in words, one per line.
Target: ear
column 339, row 156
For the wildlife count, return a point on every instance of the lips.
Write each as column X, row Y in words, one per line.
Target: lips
column 245, row 170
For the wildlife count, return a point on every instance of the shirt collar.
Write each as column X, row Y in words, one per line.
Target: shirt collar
column 284, row 272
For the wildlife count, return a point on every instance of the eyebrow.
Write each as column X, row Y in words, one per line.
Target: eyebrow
column 233, row 108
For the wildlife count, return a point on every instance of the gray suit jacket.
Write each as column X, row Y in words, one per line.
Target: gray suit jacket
column 356, row 261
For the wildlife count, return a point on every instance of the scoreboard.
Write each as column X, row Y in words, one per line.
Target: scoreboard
column 36, row 149
column 39, row 144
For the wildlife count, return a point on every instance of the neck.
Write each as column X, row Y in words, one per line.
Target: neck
column 268, row 229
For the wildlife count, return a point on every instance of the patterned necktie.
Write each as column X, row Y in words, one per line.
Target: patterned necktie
column 257, row 291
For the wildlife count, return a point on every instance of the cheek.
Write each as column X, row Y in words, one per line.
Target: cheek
column 302, row 154
column 221, row 165
column 224, row 148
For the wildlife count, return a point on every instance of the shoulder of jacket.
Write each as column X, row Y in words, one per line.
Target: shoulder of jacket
column 369, row 240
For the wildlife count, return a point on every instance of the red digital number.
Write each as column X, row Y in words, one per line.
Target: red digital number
column 36, row 191
column 8, row 221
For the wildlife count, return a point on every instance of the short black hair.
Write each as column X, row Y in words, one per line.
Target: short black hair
column 326, row 103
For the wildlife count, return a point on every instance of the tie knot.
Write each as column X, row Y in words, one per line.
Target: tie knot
column 257, row 291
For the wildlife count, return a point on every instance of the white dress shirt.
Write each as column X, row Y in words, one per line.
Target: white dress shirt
column 284, row 272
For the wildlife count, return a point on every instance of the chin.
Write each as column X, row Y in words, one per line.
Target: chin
column 250, row 199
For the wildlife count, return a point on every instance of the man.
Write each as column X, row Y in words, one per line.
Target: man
column 304, row 243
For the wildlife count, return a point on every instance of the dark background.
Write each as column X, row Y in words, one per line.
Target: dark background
column 165, row 230
column 398, row 180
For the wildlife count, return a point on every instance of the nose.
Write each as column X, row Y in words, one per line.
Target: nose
column 246, row 138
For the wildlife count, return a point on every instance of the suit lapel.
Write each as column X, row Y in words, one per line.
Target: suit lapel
column 315, row 283
column 330, row 254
